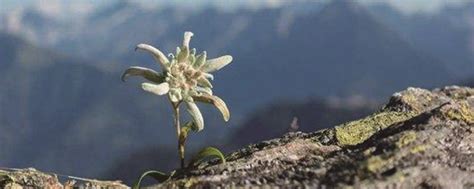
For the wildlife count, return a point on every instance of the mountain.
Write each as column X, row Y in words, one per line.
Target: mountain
column 58, row 113
column 128, row 167
column 110, row 30
column 446, row 35
column 338, row 51
column 277, row 119
column 469, row 83
column 359, row 55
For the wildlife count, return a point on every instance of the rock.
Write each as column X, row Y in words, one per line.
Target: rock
column 420, row 138
column 32, row 178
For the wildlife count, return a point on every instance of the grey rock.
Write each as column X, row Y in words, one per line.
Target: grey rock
column 420, row 138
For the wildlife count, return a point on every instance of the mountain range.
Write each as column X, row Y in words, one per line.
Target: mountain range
column 62, row 100
column 447, row 35
column 57, row 110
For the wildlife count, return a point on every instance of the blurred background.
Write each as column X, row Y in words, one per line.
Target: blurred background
column 64, row 109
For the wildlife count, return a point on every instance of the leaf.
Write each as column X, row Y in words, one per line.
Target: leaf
column 147, row 73
column 207, row 152
column 217, row 102
column 200, row 60
column 189, row 126
column 160, row 89
column 216, row 63
column 157, row 175
column 195, row 113
column 157, row 54
column 184, row 132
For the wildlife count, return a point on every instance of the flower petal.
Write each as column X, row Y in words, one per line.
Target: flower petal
column 157, row 54
column 176, row 97
column 202, row 81
column 187, row 38
column 216, row 63
column 195, row 113
column 200, row 60
column 191, row 58
column 208, row 75
column 147, row 73
column 183, row 55
column 205, row 90
column 217, row 102
column 178, row 50
column 160, row 89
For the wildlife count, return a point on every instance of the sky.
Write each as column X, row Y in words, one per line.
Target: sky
column 406, row 6
column 414, row 6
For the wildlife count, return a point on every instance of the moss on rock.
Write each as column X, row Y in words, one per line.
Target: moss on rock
column 358, row 131
column 376, row 163
column 462, row 113
column 406, row 139
column 32, row 178
column 419, row 139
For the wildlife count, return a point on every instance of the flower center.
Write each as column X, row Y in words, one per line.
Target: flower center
column 183, row 76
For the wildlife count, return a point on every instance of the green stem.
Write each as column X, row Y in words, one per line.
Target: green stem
column 181, row 154
column 178, row 133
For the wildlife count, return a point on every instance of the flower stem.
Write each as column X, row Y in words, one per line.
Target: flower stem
column 178, row 133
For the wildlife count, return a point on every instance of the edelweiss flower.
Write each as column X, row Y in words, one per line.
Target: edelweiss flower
column 185, row 78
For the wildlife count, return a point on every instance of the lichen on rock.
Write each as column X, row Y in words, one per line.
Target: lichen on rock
column 356, row 132
column 32, row 178
column 420, row 138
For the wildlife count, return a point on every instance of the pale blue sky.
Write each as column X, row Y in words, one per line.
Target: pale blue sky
column 408, row 6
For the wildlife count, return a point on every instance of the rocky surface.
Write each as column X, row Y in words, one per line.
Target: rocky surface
column 32, row 179
column 419, row 139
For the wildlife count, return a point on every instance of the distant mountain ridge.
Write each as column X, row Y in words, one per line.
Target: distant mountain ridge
column 447, row 35
column 341, row 64
column 279, row 118
column 339, row 51
column 444, row 35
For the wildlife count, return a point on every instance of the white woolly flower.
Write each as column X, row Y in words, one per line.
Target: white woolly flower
column 184, row 78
